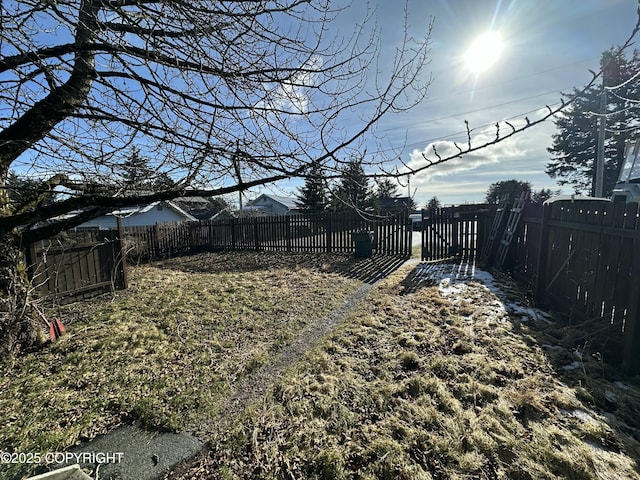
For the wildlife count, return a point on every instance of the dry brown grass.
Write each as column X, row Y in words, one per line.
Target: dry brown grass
column 413, row 385
column 417, row 386
column 168, row 351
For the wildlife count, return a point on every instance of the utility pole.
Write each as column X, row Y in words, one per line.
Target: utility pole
column 599, row 174
column 236, row 160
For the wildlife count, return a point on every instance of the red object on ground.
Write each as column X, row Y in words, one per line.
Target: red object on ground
column 56, row 329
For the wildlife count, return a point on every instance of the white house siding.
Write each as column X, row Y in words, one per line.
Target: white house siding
column 143, row 218
column 270, row 206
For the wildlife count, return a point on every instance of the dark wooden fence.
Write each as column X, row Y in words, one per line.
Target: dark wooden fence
column 77, row 265
column 291, row 233
column 457, row 231
column 583, row 258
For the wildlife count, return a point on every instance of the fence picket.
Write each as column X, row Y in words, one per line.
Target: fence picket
column 76, row 266
column 311, row 233
column 583, row 257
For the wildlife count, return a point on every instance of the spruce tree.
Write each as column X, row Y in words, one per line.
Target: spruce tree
column 312, row 196
column 353, row 191
column 386, row 188
column 574, row 148
column 433, row 203
column 512, row 189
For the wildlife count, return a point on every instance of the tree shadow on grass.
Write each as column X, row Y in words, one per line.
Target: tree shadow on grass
column 576, row 355
column 425, row 274
column 367, row 270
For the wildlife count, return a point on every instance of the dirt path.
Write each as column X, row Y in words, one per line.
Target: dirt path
column 149, row 455
column 255, row 386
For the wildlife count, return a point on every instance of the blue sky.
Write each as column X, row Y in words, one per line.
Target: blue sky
column 548, row 47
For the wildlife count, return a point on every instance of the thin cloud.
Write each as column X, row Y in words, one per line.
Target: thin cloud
column 508, row 149
column 468, row 177
column 294, row 95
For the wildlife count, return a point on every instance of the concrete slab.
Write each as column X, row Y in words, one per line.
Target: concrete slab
column 130, row 453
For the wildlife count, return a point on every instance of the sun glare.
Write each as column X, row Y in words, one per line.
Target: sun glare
column 483, row 52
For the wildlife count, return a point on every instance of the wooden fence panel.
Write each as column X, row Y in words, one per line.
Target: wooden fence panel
column 79, row 265
column 584, row 258
column 526, row 243
column 76, row 266
column 453, row 231
column 301, row 233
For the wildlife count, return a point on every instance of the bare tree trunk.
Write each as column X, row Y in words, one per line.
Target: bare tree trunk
column 19, row 325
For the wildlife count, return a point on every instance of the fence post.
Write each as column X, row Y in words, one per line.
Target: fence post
column 155, row 243
column 481, row 230
column 631, row 354
column 287, row 232
column 328, row 233
column 543, row 241
column 123, row 253
column 256, row 233
column 232, row 225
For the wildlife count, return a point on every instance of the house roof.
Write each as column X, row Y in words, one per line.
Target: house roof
column 394, row 202
column 136, row 209
column 192, row 201
column 288, row 202
column 221, row 214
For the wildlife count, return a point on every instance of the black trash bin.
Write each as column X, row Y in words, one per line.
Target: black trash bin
column 363, row 240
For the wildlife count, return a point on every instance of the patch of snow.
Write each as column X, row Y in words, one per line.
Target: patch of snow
column 464, row 282
column 595, row 445
column 572, row 366
column 527, row 313
column 611, row 396
column 579, row 414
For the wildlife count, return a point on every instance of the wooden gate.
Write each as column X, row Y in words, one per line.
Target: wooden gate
column 77, row 265
column 453, row 232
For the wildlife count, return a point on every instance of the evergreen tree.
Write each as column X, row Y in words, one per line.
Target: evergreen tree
column 137, row 175
column 433, row 203
column 574, row 148
column 312, row 196
column 386, row 188
column 353, row 191
column 511, row 188
column 161, row 182
column 25, row 192
column 136, row 172
column 543, row 195
column 22, row 190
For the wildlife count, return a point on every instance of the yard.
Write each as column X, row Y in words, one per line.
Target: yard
column 439, row 372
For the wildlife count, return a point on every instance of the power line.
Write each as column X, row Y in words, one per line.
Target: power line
column 490, row 107
column 463, row 132
column 511, row 80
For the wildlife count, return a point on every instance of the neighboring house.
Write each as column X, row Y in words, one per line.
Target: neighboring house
column 198, row 207
column 205, row 209
column 393, row 204
column 140, row 216
column 224, row 214
column 272, row 205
